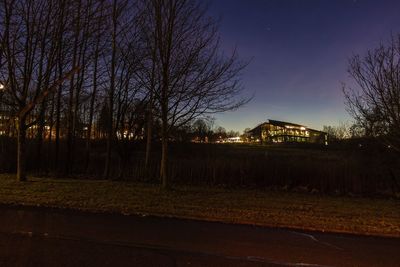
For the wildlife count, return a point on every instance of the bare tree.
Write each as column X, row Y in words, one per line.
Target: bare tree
column 84, row 23
column 202, row 128
column 219, row 133
column 161, row 57
column 148, row 75
column 195, row 79
column 339, row 132
column 99, row 27
column 113, row 62
column 29, row 35
column 123, row 63
column 60, row 61
column 375, row 102
column 130, row 98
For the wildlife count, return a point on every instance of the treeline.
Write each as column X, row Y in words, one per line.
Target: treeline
column 74, row 71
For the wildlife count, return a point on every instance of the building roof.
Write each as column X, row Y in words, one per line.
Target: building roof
column 281, row 124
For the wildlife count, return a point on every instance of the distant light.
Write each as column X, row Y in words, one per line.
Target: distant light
column 1, row 87
column 302, row 128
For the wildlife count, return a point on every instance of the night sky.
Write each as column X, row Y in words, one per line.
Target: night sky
column 299, row 52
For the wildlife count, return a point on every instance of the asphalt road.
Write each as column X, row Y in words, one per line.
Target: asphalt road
column 51, row 237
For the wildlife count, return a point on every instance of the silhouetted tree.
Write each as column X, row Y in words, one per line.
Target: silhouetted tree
column 375, row 102
column 195, row 79
column 29, row 37
column 202, row 129
column 336, row 133
column 99, row 31
column 123, row 54
column 232, row 133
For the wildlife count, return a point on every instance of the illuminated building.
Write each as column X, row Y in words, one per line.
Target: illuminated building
column 274, row 131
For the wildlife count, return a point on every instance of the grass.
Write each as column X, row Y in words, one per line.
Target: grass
column 369, row 216
column 328, row 170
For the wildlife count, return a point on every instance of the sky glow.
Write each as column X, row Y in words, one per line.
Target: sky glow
column 299, row 52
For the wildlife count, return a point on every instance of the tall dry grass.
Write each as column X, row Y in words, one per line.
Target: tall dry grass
column 328, row 170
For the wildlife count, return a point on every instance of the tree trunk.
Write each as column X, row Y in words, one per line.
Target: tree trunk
column 164, row 164
column 73, row 86
column 50, row 135
column 164, row 154
column 59, row 68
column 58, row 120
column 110, row 129
column 149, row 130
column 91, row 108
column 149, row 133
column 39, row 136
column 21, row 158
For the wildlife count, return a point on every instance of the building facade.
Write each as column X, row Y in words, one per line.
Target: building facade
column 274, row 131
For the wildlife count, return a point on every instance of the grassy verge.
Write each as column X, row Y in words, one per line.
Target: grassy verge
column 266, row 208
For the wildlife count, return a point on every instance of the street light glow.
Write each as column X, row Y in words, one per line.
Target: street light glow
column 1, row 87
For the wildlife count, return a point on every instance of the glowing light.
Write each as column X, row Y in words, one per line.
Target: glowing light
column 2, row 87
column 233, row 140
column 302, row 128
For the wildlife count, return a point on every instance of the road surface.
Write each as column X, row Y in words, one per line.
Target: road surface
column 51, row 237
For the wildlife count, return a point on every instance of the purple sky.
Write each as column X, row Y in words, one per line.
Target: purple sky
column 299, row 51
